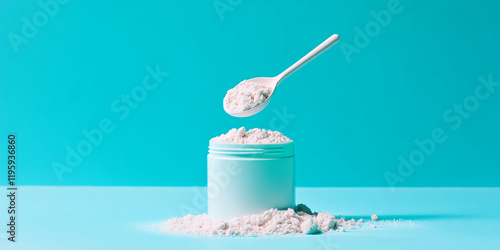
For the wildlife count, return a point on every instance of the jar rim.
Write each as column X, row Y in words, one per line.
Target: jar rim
column 271, row 150
column 254, row 144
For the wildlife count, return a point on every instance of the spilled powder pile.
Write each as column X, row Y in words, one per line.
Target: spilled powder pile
column 253, row 136
column 272, row 222
column 246, row 95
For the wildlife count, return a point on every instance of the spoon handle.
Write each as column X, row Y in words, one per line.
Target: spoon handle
column 311, row 55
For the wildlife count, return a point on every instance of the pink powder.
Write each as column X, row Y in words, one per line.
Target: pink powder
column 271, row 222
column 246, row 95
column 252, row 136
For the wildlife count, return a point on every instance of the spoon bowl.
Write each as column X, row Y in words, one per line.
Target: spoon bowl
column 273, row 82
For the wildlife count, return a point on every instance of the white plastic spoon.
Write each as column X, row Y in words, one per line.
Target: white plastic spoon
column 273, row 82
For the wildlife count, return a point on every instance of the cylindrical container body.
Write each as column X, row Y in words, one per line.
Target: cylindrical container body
column 246, row 179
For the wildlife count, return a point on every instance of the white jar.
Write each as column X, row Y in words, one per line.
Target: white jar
column 246, row 179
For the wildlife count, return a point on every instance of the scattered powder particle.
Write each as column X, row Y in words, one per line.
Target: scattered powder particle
column 253, row 136
column 271, row 222
column 246, row 95
column 374, row 217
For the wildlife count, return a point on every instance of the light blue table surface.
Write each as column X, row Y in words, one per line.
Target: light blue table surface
column 121, row 218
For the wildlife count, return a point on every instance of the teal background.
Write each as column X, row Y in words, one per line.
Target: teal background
column 352, row 116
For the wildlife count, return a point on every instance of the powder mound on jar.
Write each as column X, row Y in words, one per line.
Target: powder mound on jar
column 246, row 95
column 252, row 136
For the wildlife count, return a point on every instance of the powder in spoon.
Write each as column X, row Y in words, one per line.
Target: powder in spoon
column 253, row 136
column 246, row 95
